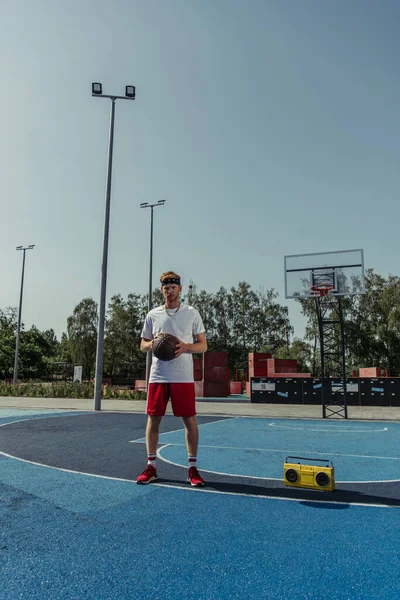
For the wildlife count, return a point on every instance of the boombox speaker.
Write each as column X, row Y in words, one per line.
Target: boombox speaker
column 310, row 476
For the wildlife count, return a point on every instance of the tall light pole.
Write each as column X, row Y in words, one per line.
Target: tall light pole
column 15, row 376
column 130, row 94
column 150, row 304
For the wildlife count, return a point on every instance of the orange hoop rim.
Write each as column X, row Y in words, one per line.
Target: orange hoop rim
column 322, row 289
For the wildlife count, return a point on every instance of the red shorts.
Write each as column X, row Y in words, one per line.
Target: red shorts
column 183, row 399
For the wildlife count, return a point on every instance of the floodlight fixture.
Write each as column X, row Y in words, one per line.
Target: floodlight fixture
column 130, row 91
column 97, row 89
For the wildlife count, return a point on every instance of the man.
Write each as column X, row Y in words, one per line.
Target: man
column 173, row 379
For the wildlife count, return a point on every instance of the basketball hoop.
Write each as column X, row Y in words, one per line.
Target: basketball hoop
column 322, row 289
column 323, row 282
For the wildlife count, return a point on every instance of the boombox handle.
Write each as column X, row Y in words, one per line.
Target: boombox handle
column 311, row 459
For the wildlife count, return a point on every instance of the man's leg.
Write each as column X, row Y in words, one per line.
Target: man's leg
column 183, row 401
column 192, row 443
column 152, row 434
column 157, row 399
column 192, row 435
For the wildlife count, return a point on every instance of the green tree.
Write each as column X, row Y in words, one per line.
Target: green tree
column 63, row 349
column 240, row 321
column 263, row 324
column 311, row 334
column 298, row 350
column 206, row 305
column 8, row 327
column 373, row 324
column 271, row 324
column 82, row 335
column 123, row 327
column 37, row 351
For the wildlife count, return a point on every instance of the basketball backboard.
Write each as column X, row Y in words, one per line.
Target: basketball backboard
column 343, row 269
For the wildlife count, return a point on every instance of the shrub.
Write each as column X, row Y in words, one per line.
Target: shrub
column 66, row 390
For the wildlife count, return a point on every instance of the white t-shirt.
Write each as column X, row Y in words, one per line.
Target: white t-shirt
column 184, row 323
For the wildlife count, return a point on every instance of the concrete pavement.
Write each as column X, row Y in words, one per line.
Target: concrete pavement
column 236, row 406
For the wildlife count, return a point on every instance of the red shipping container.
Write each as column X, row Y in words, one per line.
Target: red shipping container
column 212, row 389
column 370, row 372
column 198, row 369
column 198, row 363
column 219, row 389
column 215, row 359
column 216, row 374
column 290, row 375
column 279, row 365
column 198, row 375
column 258, row 364
column 260, row 370
column 236, row 387
column 255, row 356
column 140, row 384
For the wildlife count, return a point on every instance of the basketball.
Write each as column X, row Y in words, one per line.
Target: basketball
column 164, row 346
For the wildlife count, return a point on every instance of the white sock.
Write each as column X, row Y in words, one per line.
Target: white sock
column 192, row 460
column 151, row 460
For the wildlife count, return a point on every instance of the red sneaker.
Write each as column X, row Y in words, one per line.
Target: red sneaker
column 148, row 475
column 194, row 477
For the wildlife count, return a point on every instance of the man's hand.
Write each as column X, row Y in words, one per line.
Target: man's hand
column 199, row 347
column 147, row 345
column 153, row 340
column 181, row 348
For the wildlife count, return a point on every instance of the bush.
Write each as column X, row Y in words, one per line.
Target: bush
column 66, row 390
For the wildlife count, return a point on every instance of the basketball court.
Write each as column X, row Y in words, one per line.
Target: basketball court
column 76, row 525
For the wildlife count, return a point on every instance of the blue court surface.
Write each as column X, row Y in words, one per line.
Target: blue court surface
column 74, row 524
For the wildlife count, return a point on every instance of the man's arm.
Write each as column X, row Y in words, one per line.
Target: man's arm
column 199, row 347
column 146, row 345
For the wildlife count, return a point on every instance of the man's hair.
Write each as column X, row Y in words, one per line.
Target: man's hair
column 169, row 275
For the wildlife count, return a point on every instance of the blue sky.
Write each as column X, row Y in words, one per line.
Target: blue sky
column 270, row 127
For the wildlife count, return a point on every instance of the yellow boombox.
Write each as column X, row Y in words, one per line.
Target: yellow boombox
column 309, row 476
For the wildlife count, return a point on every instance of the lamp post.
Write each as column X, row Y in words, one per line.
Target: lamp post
column 150, row 304
column 15, row 376
column 130, row 94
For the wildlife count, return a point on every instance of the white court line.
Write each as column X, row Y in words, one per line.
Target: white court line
column 199, row 490
column 142, row 440
column 37, row 464
column 203, row 491
column 30, row 418
column 41, row 416
column 159, row 455
column 330, row 430
column 291, row 451
column 20, row 421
